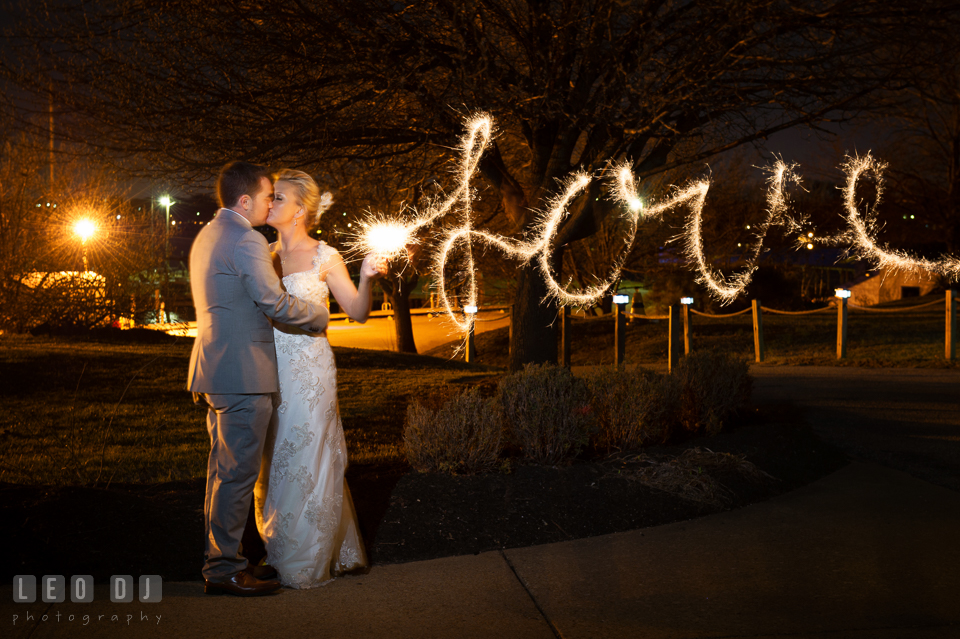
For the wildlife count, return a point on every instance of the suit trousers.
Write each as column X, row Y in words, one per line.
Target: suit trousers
column 238, row 428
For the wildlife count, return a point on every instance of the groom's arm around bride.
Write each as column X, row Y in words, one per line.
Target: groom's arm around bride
column 233, row 366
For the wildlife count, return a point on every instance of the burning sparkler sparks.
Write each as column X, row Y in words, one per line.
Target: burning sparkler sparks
column 386, row 238
column 390, row 237
column 861, row 234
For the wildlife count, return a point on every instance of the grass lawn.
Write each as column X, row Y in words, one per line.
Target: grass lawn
column 80, row 416
column 95, row 413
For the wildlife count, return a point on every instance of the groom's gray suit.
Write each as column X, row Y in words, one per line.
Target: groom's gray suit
column 233, row 371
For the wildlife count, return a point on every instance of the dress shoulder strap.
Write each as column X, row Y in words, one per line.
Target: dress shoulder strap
column 324, row 253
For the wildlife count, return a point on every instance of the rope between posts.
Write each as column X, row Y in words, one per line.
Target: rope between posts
column 649, row 317
column 744, row 311
column 906, row 309
column 816, row 310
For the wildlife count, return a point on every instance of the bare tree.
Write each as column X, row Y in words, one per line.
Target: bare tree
column 923, row 120
column 572, row 84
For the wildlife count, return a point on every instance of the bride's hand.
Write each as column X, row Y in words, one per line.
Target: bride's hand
column 373, row 266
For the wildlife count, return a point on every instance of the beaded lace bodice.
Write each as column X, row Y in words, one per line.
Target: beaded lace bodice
column 304, row 511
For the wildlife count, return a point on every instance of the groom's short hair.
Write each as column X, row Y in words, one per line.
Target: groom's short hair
column 237, row 179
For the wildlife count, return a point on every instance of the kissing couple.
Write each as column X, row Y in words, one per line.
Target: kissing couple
column 262, row 366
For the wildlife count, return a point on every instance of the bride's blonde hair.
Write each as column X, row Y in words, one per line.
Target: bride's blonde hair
column 313, row 203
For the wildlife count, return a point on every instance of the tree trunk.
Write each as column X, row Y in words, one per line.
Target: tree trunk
column 398, row 290
column 953, row 198
column 534, row 322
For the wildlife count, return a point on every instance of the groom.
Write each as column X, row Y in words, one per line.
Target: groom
column 233, row 367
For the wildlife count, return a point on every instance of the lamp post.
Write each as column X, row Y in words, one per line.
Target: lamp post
column 842, row 296
column 85, row 229
column 470, row 346
column 166, row 202
column 685, row 303
column 620, row 328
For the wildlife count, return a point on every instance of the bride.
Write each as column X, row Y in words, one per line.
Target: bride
column 303, row 506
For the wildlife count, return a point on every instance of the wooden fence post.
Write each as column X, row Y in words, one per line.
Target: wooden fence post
column 620, row 335
column 565, row 336
column 673, row 348
column 841, row 327
column 758, row 330
column 469, row 345
column 950, row 351
column 687, row 329
column 510, row 333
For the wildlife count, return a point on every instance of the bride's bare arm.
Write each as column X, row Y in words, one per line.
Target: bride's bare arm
column 355, row 302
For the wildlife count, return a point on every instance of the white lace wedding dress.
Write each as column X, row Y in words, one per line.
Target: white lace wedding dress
column 304, row 510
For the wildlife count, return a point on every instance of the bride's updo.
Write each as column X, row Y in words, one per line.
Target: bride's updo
column 313, row 203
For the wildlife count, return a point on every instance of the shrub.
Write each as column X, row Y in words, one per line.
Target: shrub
column 464, row 435
column 712, row 386
column 548, row 412
column 632, row 408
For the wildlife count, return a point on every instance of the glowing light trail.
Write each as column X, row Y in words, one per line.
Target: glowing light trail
column 862, row 232
column 390, row 237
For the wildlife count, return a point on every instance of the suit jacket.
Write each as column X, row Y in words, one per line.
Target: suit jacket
column 235, row 289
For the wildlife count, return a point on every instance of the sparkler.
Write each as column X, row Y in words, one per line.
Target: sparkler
column 389, row 237
column 728, row 289
column 861, row 233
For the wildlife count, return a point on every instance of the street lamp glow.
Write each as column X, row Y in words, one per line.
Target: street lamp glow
column 85, row 229
column 842, row 293
column 621, row 299
column 686, row 300
column 165, row 201
column 470, row 310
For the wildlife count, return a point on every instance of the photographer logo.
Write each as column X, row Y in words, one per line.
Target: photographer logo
column 53, row 589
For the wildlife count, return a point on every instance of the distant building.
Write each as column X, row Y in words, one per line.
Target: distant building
column 884, row 285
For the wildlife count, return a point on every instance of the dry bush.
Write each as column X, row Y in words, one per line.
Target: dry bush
column 463, row 436
column 548, row 412
column 712, row 385
column 633, row 408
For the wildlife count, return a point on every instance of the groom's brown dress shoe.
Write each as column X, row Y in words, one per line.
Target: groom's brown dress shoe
column 242, row 584
column 263, row 571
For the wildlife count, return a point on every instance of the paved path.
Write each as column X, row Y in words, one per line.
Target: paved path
column 379, row 332
column 865, row 552
column 906, row 418
column 428, row 332
column 868, row 551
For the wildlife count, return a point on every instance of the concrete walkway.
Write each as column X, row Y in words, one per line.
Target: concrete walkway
column 869, row 551
column 905, row 418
